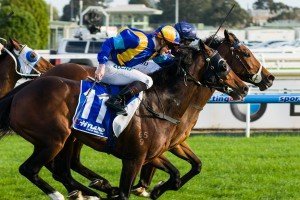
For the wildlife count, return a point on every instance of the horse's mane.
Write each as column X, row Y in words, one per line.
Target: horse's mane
column 170, row 74
column 217, row 41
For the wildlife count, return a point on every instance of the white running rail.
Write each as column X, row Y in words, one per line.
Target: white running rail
column 279, row 63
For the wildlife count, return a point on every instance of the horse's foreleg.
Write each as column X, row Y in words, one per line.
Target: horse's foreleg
column 98, row 182
column 173, row 183
column 146, row 176
column 32, row 166
column 129, row 172
column 184, row 152
column 61, row 171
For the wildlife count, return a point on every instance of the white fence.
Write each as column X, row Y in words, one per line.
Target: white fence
column 279, row 62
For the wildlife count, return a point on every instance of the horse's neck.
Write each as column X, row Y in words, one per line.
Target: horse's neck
column 44, row 65
column 202, row 96
column 8, row 78
column 190, row 117
column 173, row 101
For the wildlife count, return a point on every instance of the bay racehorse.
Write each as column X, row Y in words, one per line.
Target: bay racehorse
column 25, row 115
column 13, row 57
column 11, row 70
column 230, row 43
column 247, row 67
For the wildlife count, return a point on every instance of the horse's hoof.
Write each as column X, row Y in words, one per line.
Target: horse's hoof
column 177, row 185
column 56, row 196
column 113, row 192
column 155, row 193
column 91, row 198
column 160, row 183
column 96, row 182
column 101, row 185
column 141, row 192
column 75, row 195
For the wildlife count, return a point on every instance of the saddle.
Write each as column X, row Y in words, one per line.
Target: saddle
column 92, row 116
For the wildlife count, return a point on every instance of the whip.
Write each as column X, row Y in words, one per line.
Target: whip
column 221, row 24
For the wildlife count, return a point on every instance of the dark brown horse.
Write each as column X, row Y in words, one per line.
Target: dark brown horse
column 59, row 99
column 247, row 67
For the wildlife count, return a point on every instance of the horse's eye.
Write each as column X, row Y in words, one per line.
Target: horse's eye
column 31, row 56
column 222, row 65
column 245, row 54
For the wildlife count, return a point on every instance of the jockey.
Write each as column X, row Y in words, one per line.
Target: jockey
column 187, row 32
column 129, row 48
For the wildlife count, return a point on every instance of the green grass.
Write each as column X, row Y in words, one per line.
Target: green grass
column 262, row 167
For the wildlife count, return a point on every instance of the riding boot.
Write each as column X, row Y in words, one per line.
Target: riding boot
column 117, row 102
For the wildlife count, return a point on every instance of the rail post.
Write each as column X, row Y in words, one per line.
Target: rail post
column 248, row 118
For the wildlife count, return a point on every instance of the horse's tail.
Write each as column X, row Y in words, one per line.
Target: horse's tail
column 5, row 105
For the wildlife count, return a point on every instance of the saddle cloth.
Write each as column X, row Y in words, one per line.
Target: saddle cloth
column 92, row 115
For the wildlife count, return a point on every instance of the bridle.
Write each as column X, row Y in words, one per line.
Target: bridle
column 213, row 66
column 256, row 78
column 16, row 56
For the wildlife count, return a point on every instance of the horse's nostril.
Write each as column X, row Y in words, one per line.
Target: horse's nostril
column 271, row 78
column 224, row 68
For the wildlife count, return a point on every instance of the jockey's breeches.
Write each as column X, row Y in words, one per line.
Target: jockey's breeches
column 122, row 75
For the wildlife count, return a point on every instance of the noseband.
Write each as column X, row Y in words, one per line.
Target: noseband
column 256, row 78
column 213, row 65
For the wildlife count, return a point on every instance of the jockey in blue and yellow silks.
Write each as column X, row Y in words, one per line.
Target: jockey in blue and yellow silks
column 130, row 48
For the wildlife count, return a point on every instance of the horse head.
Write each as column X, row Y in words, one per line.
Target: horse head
column 218, row 74
column 244, row 63
column 28, row 63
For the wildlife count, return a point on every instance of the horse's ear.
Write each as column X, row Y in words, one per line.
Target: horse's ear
column 226, row 34
column 201, row 44
column 10, row 41
column 15, row 44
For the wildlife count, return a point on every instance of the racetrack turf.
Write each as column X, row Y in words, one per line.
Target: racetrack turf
column 261, row 167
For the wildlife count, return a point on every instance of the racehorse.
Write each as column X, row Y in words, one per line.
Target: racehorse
column 59, row 99
column 250, row 66
column 10, row 68
column 15, row 55
column 247, row 67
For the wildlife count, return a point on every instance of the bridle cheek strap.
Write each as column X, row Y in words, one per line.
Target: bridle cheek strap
column 256, row 78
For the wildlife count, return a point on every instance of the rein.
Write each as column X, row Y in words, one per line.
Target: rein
column 159, row 115
column 188, row 77
column 215, row 58
column 162, row 115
